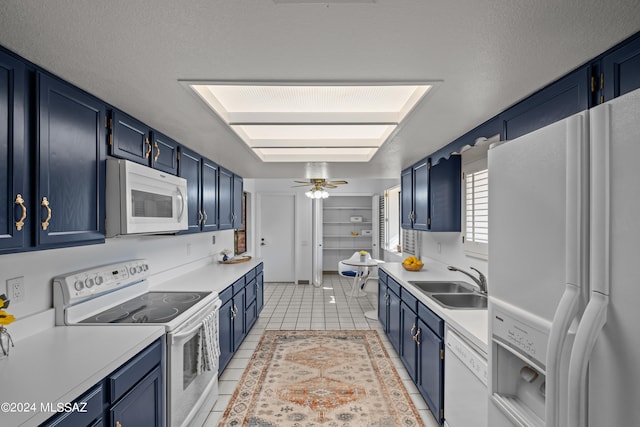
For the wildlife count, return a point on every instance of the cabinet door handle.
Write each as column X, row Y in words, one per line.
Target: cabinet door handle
column 413, row 329
column 146, row 155
column 20, row 202
column 205, row 216
column 200, row 217
column 155, row 159
column 45, row 203
column 416, row 337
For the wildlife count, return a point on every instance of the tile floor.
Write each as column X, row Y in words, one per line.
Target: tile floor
column 290, row 306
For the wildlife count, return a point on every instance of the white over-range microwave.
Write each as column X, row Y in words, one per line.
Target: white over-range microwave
column 141, row 200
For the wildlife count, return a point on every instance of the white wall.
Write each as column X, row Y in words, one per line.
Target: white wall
column 162, row 252
column 448, row 249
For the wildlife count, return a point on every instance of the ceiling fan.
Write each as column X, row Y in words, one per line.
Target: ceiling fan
column 319, row 184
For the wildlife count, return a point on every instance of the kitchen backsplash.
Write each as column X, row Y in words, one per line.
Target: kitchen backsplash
column 163, row 252
column 448, row 249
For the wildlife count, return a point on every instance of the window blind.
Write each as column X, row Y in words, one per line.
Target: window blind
column 382, row 224
column 477, row 207
column 409, row 242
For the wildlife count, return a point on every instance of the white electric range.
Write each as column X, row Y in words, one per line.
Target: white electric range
column 120, row 294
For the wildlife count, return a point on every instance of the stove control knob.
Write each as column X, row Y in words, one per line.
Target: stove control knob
column 99, row 280
column 145, row 267
column 89, row 282
column 132, row 270
column 78, row 285
column 139, row 269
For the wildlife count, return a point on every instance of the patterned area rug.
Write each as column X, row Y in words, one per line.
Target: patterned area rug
column 320, row 378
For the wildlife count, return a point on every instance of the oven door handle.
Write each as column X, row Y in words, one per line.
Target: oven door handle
column 191, row 331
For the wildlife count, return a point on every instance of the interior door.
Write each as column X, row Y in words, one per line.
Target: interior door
column 276, row 234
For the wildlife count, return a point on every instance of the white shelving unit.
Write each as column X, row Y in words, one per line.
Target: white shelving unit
column 341, row 236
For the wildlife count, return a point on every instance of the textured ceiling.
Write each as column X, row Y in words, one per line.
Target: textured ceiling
column 488, row 54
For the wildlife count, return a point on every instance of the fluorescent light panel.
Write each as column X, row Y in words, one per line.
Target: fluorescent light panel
column 290, row 117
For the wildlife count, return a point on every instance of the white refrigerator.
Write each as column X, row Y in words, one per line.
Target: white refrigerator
column 564, row 286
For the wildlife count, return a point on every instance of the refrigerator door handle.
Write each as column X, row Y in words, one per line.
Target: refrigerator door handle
column 593, row 320
column 565, row 313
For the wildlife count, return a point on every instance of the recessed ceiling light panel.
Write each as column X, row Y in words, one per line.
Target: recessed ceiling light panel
column 284, row 116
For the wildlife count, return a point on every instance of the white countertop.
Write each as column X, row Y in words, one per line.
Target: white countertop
column 63, row 362
column 213, row 277
column 472, row 324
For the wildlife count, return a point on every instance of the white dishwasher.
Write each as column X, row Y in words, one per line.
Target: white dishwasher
column 465, row 384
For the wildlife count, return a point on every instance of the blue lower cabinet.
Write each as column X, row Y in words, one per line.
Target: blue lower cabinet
column 133, row 395
column 239, row 330
column 260, row 292
column 430, row 381
column 225, row 334
column 393, row 325
column 242, row 302
column 408, row 346
column 90, row 414
column 142, row 405
column 383, row 311
column 417, row 335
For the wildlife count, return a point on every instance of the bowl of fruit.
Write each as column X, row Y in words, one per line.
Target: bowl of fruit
column 412, row 263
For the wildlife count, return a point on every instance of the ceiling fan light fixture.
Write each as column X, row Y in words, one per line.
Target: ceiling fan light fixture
column 317, row 193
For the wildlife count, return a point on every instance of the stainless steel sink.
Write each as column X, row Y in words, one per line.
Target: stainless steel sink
column 443, row 287
column 461, row 301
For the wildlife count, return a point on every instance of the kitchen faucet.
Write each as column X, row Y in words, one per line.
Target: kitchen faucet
column 481, row 281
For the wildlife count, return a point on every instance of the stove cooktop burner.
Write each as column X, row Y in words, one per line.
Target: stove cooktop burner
column 152, row 307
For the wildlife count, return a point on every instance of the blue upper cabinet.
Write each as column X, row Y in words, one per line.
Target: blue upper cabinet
column 71, row 136
column 14, row 195
column 414, row 205
column 445, row 195
column 621, row 70
column 209, row 195
column 225, row 199
column 131, row 139
column 559, row 100
column 421, row 195
column 190, row 168
column 406, row 198
column 164, row 153
column 430, row 196
column 202, row 191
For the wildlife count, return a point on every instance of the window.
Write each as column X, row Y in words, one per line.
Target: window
column 476, row 208
column 392, row 220
column 240, row 235
column 395, row 238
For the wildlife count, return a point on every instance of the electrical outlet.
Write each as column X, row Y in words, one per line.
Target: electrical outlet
column 15, row 289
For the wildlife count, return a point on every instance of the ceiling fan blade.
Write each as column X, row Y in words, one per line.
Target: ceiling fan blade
column 303, row 185
column 327, row 185
column 337, row 182
column 304, row 182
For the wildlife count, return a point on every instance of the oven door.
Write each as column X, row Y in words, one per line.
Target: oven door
column 191, row 387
